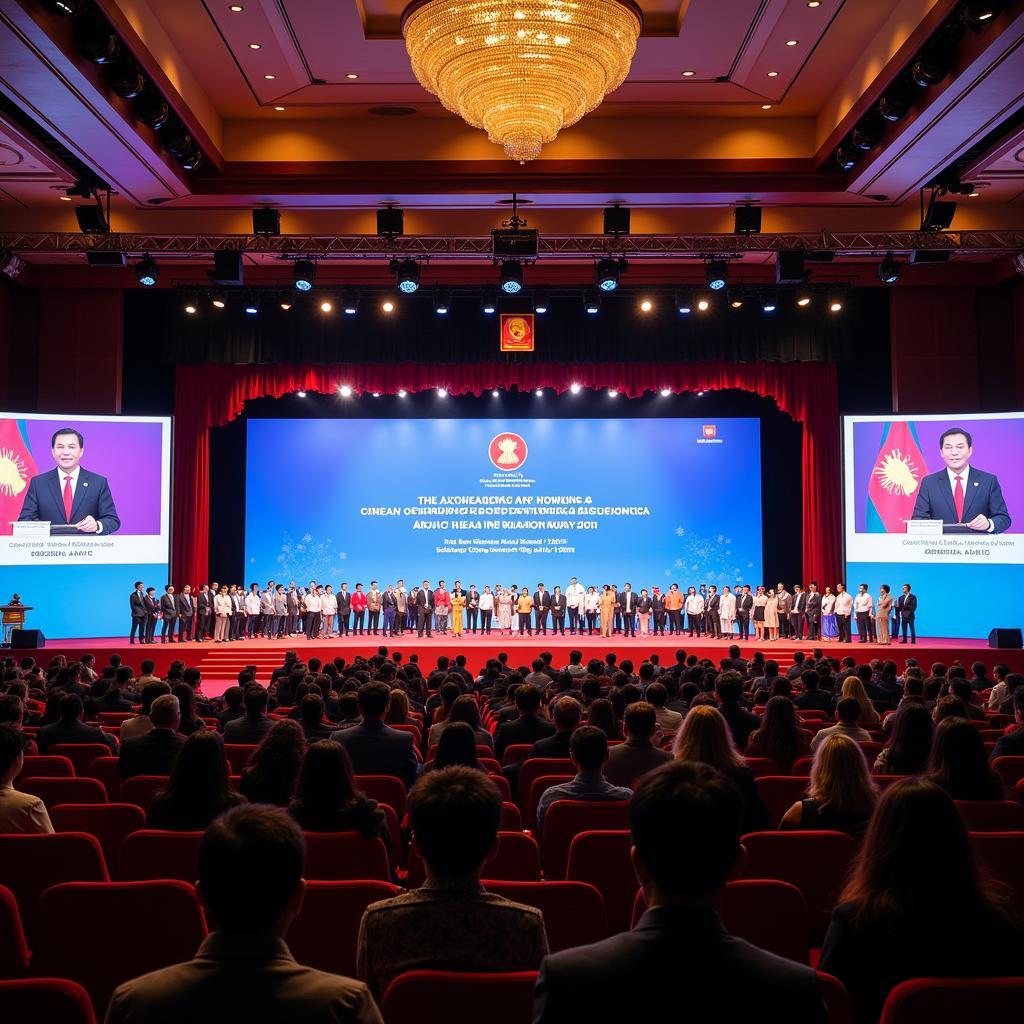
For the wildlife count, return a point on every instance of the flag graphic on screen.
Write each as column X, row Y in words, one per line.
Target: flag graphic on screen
column 895, row 478
column 17, row 467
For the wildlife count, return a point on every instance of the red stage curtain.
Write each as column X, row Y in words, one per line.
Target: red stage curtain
column 211, row 395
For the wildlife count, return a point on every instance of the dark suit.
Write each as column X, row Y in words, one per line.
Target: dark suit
column 344, row 611
column 797, row 615
column 152, row 610
column 376, row 749
column 627, row 606
column 744, row 606
column 72, row 732
column 551, row 746
column 558, row 606
column 906, row 612
column 1010, row 745
column 424, row 604
column 152, row 754
column 204, row 609
column 247, row 730
column 715, row 977
column 137, row 606
column 525, row 729
column 186, row 615
column 658, row 608
column 45, row 501
column 169, row 615
column 712, row 621
column 813, row 613
column 982, row 496
column 541, row 607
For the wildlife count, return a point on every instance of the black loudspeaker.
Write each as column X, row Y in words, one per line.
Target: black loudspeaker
column 1006, row 638
column 748, row 220
column 227, row 266
column 33, row 639
column 390, row 221
column 266, row 221
column 789, row 267
column 616, row 220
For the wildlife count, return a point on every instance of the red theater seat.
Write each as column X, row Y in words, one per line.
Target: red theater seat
column 762, row 766
column 991, row 815
column 38, row 766
column 537, row 767
column 517, row 860
column 601, row 858
column 574, row 913
column 567, row 818
column 836, row 999
column 154, row 853
column 13, row 948
column 954, row 1001
column 779, row 793
column 339, row 856
column 385, row 789
column 45, row 1001
column 105, row 769
column 503, row 787
column 238, row 755
column 53, row 791
column 81, row 755
column 511, row 819
column 140, row 789
column 515, row 753
column 538, row 788
column 1010, row 768
column 465, row 998
column 109, row 823
column 1001, row 857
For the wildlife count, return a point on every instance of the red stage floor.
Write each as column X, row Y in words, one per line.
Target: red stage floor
column 220, row 663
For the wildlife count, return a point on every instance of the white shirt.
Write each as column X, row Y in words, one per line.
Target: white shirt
column 828, row 603
column 252, row 603
column 694, row 604
column 844, row 603
column 313, row 603
column 727, row 607
column 863, row 603
column 486, row 602
column 591, row 602
column 574, row 595
column 328, row 604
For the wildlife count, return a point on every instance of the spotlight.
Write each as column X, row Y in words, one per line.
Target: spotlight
column 591, row 301
column 97, row 43
column 575, row 388
column 252, row 307
column 375, row 394
column 176, row 138
column 301, row 394
column 442, row 302
column 646, row 306
column 846, row 157
column 286, row 306
column 402, row 392
column 683, row 302
column 190, row 303
column 147, row 272
column 494, row 393
column 304, row 274
column 350, row 302
column 612, row 393
column 699, row 393
column 716, row 274
column 896, row 102
column 387, row 306
column 867, row 134
column 665, row 392
column 607, row 273
column 152, row 108
column 218, row 301
column 511, row 277
column 703, row 305
column 803, row 301
column 192, row 158
column 488, row 301
column 977, row 13
column 407, row 273
column 768, row 304
column 835, row 303
column 125, row 78
column 932, row 66
column 345, row 391
column 66, row 8
column 326, row 306
column 540, row 301
column 442, row 392
column 888, row 270
column 266, row 221
column 11, row 263
column 736, row 303
column 539, row 392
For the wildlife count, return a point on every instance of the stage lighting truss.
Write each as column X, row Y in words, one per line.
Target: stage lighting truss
column 407, row 275
column 716, row 274
column 511, row 277
column 607, row 272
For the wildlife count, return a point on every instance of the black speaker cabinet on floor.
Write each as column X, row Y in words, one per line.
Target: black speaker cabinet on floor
column 27, row 639
column 1010, row 638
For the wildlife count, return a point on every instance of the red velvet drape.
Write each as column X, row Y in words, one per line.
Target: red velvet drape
column 211, row 395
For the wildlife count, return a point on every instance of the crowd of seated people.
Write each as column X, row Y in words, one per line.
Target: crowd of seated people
column 676, row 742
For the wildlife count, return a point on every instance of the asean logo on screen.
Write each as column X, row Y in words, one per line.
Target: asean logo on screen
column 507, row 451
column 710, row 430
column 709, row 434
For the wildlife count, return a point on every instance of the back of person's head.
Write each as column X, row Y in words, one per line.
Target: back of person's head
column 398, row 707
column 251, row 861
column 911, row 745
column 150, row 692
column 451, row 690
column 840, row 780
column 913, row 686
column 165, row 712
column 12, row 745
column 848, row 710
column 373, row 699
column 771, row 668
column 200, row 770
column 684, row 820
column 146, row 667
column 457, row 746
column 962, row 689
column 950, row 707
column 455, row 813
column 280, row 752
column 186, row 699
column 233, row 696
column 640, row 720
column 311, row 708
column 70, row 708
column 960, row 763
column 528, row 698
column 326, row 779
column 589, row 748
column 729, row 685
column 705, row 738
column 12, row 709
column 656, row 695
column 566, row 714
column 810, row 679
column 255, row 700
column 602, row 715
column 465, row 710
column 348, row 705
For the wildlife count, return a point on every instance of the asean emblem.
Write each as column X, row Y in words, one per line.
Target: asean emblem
column 507, row 451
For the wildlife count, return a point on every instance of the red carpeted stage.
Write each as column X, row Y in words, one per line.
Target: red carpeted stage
column 220, row 663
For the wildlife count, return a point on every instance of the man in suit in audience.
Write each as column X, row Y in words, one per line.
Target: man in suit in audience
column 528, row 727
column 628, row 761
column 154, row 753
column 251, row 863
column 566, row 713
column 685, row 830
column 1012, row 743
column 69, row 728
column 374, row 748
column 186, row 612
column 255, row 724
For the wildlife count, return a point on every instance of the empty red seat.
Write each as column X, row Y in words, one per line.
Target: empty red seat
column 105, row 769
column 573, row 912
column 49, row 1000
column 113, row 719
column 53, row 791
column 238, row 755
column 465, row 998
column 103, row 934
column 836, row 999
column 345, row 855
column 1001, row 857
column 954, row 1000
column 325, row 932
column 81, row 755
column 762, row 766
column 991, row 815
column 601, row 858
column 37, row 766
column 1010, row 768
column 140, row 789
column 491, row 765
column 515, row 753
column 779, row 793
column 511, row 819
column 154, row 853
column 567, row 818
column 801, row 766
column 385, row 789
column 540, row 786
column 534, row 769
column 502, row 783
column 13, row 947
column 109, row 823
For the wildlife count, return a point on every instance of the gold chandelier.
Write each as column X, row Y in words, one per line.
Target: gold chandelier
column 521, row 69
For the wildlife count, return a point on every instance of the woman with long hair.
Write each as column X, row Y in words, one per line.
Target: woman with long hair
column 465, row 709
column 771, row 615
column 457, row 745
column 273, row 769
column 705, row 737
column 915, row 905
column 910, row 748
column 398, row 709
column 449, row 693
column 760, row 601
column 190, row 721
column 601, row 714
column 960, row 765
column 197, row 790
column 853, row 687
column 780, row 737
column 840, row 794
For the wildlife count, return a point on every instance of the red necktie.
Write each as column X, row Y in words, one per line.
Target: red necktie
column 958, row 499
column 69, row 498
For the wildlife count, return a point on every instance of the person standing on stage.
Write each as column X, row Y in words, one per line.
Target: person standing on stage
column 389, row 606
column 168, row 613
column 238, row 611
column 293, row 610
column 485, row 602
column 813, row 611
column 186, row 611
column 883, row 608
column 152, row 603
column 694, row 611
column 342, row 605
column 472, row 608
column 558, row 608
column 204, row 613
column 524, row 605
column 541, row 607
column 760, row 601
column 784, row 600
column 359, row 610
column 625, row 601
column 712, row 625
column 797, row 613
column 843, row 609
column 863, row 607
column 252, row 611
column 137, row 606
column 401, row 608
column 607, row 610
column 442, row 606
column 908, row 614
column 504, row 602
column 658, row 611
column 643, row 612
column 458, row 607
column 726, row 613
column 280, row 611
column 222, row 616
column 771, row 615
column 265, row 620
column 328, row 610
column 374, row 604
column 574, row 602
column 314, row 602
column 424, row 603
column 674, row 607
column 744, row 610
column 829, row 629
column 591, row 608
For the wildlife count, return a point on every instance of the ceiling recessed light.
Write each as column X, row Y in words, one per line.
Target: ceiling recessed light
column 773, row 74
column 792, row 42
column 237, row 8
column 973, row 195
column 270, row 78
column 646, row 305
column 351, row 76
column 689, row 74
column 766, row 106
column 813, row 3
column 388, row 306
column 279, row 108
column 286, row 306
column 254, row 46
column 326, row 306
column 64, row 199
column 402, row 392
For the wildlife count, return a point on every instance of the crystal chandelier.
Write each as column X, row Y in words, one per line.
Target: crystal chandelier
column 521, row 69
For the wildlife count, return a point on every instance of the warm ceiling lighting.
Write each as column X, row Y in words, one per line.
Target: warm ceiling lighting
column 279, row 108
column 286, row 306
column 766, row 106
column 345, row 391
column 325, row 306
column 689, row 74
column 813, row 3
column 254, row 46
column 236, row 8
column 792, row 42
column 270, row 78
column 521, row 69
column 974, row 194
column 388, row 306
column 702, row 305
column 773, row 74
column 646, row 306
column 65, row 199
column 804, row 300
column 351, row 76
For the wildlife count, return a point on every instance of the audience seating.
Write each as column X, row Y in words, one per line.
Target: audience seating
column 516, row 860
column 325, row 932
column 516, row 753
column 1001, row 858
column 511, row 819
column 991, row 815
column 574, row 913
column 52, row 790
column 601, row 858
column 105, row 769
column 394, row 833
column 779, row 793
column 39, row 766
column 339, row 856
column 508, row 998
column 762, row 766
column 154, row 853
column 103, row 934
column 109, row 823
column 503, row 786
column 113, row 719
column 140, row 789
column 1010, row 769
column 954, row 1000
column 385, row 789
column 538, row 788
column 815, row 862
column 49, row 1000
column 836, row 999
column 13, row 947
column 238, row 755
column 567, row 818
column 534, row 768
column 81, row 755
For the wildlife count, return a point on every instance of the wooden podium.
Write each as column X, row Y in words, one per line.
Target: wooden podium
column 13, row 618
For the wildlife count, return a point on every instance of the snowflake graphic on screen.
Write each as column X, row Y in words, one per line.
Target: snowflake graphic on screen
column 308, row 558
column 707, row 559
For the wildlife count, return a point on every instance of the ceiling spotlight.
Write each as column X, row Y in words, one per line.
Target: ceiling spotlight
column 897, row 100
column 612, row 393
column 646, row 306
column 846, row 157
column 278, row 108
column 592, row 301
column 888, row 270
column 835, row 304
column 716, row 274
column 539, row 392
column 388, row 306
column 768, row 304
column 665, row 392
column 575, row 388
column 254, row 46
column 301, row 394
column 813, row 3
column 351, row 76
column 792, row 42
column 375, row 394
column 304, row 274
column 286, row 306
column 442, row 302
column 540, row 301
column 191, row 303
column 350, row 302
column 152, row 108
column 703, row 305
column 402, row 392
column 688, row 74
column 495, row 393
column 125, row 78
column 488, row 301
column 607, row 274
column 236, row 8
column 977, row 13
column 736, row 303
column 684, row 304
column 345, row 391
column 442, row 392
column 407, row 273
column 147, row 272
column 326, row 306
column 252, row 307
column 218, row 301
column 932, row 66
column 699, row 393
column 511, row 277
column 270, row 78
column 766, row 106
column 67, row 8
column 803, row 301
column 773, row 74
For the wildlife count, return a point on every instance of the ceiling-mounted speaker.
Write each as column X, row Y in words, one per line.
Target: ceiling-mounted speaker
column 104, row 258
column 227, row 266
column 748, row 220
column 92, row 220
column 789, row 267
column 390, row 221
column 616, row 220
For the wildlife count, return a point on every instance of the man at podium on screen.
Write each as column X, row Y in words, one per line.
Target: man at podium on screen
column 70, row 496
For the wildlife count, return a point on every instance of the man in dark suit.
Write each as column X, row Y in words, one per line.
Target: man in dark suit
column 626, row 601
column 813, row 612
column 152, row 604
column 734, row 661
column 374, row 748
column 658, row 611
column 204, row 612
column 712, row 622
column 70, row 496
column 154, row 752
column 906, row 609
column 798, row 613
column 963, row 497
column 528, row 727
column 255, row 725
column 744, row 606
column 69, row 727
column 168, row 614
column 424, row 603
column 1011, row 744
column 186, row 612
column 541, row 608
column 137, row 606
column 558, row 609
column 566, row 713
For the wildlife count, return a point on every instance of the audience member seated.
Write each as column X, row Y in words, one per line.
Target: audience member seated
column 19, row 812
column 457, row 747
column 398, row 709
column 915, row 905
column 250, row 882
column 656, row 695
column 376, row 749
column 601, row 715
column 190, row 721
column 273, row 770
column 679, row 963
column 853, row 686
column 233, row 706
column 814, row 698
column 960, row 765
column 254, row 725
column 1012, row 744
column 449, row 691
column 12, row 713
column 70, row 728
column 705, row 739
column 141, row 723
column 741, row 721
column 154, row 752
column 962, row 688
column 566, row 713
column 326, row 798
column 311, row 718
column 107, row 695
column 198, row 790
column 450, row 922
column 589, row 753
column 840, row 795
column 910, row 749
column 633, row 759
column 847, row 717
column 529, row 726
column 780, row 736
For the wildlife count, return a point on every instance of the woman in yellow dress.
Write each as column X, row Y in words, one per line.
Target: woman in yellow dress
column 458, row 603
column 607, row 610
column 524, row 605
